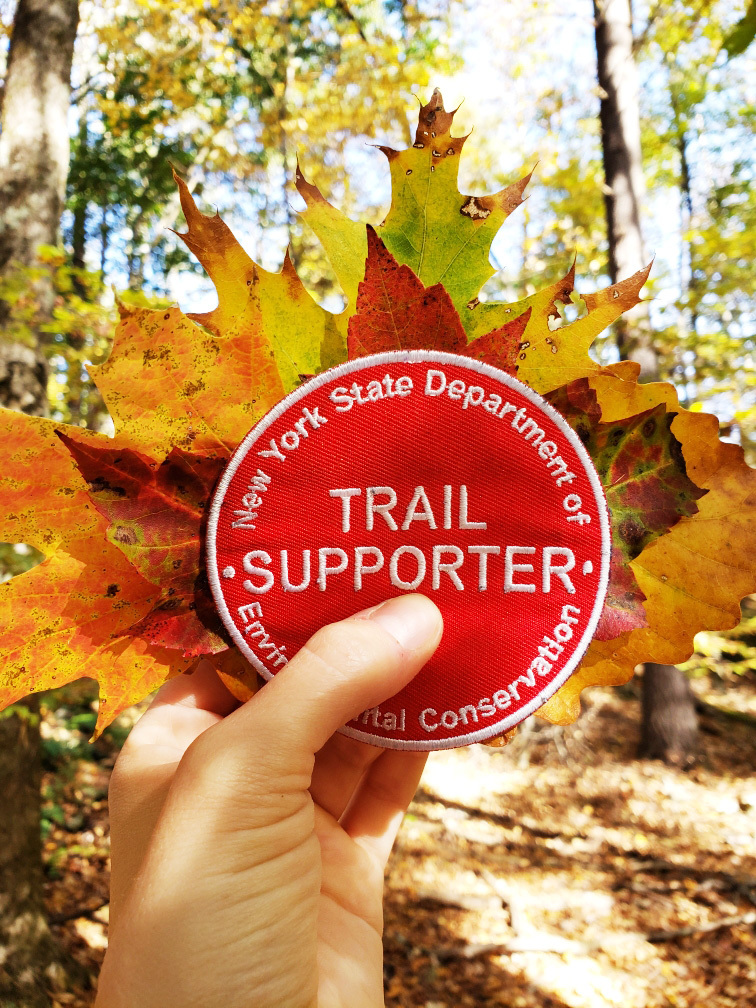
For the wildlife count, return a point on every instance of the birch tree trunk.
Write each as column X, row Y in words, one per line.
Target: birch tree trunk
column 669, row 725
column 34, row 150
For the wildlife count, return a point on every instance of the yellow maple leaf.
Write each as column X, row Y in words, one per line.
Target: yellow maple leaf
column 122, row 594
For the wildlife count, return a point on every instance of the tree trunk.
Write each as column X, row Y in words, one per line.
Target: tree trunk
column 669, row 728
column 34, row 150
column 80, row 215
column 668, row 706
column 30, row 967
column 623, row 170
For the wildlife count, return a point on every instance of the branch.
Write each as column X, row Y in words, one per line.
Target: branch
column 661, row 936
column 350, row 16
column 537, row 942
column 88, row 912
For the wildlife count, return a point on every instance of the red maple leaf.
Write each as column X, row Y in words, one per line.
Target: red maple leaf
column 642, row 469
column 395, row 311
column 156, row 515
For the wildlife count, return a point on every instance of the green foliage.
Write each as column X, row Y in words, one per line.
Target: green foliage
column 120, row 183
column 741, row 36
column 17, row 558
column 726, row 655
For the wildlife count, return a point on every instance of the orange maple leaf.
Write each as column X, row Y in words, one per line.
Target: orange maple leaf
column 121, row 595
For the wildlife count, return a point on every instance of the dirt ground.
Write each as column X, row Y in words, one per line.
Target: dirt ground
column 559, row 872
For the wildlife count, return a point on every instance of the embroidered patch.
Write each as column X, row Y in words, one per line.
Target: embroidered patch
column 428, row 472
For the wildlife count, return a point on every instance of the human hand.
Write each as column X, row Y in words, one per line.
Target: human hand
column 249, row 842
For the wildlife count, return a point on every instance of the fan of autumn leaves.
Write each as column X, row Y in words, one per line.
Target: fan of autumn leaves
column 122, row 595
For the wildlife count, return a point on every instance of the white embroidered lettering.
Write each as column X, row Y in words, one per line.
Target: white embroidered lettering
column 314, row 417
column 245, row 520
column 290, row 440
column 463, row 522
column 299, row 426
column 360, row 567
column 426, row 514
column 346, row 504
column 324, row 571
column 563, row 632
column 473, row 396
column 374, row 391
column 341, row 396
column 519, row 415
column 419, row 557
column 449, row 719
column 285, row 582
column 273, row 452
column 559, row 569
column 435, row 382
column 541, row 666
column 463, row 714
column 502, row 699
column 485, row 707
column 423, row 719
column 250, row 607
column 531, row 431
column 371, row 508
column 256, row 571
column 447, row 568
column 547, row 449
column 510, row 568
column 483, row 553
column 566, row 610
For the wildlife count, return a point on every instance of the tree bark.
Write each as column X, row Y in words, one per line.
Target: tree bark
column 34, row 151
column 30, row 967
column 668, row 728
column 623, row 170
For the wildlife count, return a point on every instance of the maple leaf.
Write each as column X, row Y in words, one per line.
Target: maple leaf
column 642, row 469
column 445, row 237
column 122, row 595
column 395, row 311
column 155, row 516
column 693, row 576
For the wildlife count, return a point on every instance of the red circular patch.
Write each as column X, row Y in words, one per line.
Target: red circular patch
column 428, row 472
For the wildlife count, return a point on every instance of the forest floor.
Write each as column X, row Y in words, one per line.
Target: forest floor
column 559, row 872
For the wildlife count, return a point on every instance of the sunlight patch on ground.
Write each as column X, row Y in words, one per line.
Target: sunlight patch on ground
column 560, row 847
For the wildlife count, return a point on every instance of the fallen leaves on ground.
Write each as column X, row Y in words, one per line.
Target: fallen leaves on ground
column 567, row 856
column 563, row 852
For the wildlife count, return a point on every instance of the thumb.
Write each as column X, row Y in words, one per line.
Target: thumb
column 343, row 669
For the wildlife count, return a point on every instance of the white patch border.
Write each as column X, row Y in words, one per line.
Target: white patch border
column 420, row 357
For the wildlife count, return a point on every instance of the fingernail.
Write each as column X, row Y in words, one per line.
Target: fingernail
column 413, row 620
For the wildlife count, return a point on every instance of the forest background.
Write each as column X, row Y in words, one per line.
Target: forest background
column 230, row 95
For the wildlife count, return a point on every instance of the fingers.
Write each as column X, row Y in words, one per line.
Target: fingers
column 375, row 812
column 202, row 689
column 339, row 768
column 182, row 709
column 344, row 669
column 254, row 766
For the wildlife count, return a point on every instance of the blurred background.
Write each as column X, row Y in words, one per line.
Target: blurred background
column 611, row 863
